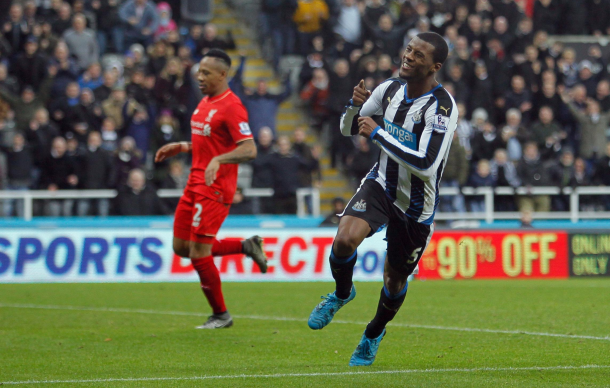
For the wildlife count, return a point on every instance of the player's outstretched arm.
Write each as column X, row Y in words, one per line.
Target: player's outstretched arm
column 172, row 149
column 245, row 151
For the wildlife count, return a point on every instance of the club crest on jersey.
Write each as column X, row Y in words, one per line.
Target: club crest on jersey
column 440, row 123
column 360, row 206
column 417, row 116
column 210, row 115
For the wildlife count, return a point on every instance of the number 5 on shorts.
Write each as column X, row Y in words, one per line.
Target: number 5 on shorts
column 197, row 215
column 414, row 255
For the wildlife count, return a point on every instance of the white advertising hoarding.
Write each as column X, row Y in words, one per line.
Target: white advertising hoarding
column 145, row 255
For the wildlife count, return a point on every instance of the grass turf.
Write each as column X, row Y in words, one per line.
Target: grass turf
column 79, row 344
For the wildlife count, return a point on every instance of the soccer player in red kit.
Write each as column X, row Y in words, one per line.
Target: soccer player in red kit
column 220, row 140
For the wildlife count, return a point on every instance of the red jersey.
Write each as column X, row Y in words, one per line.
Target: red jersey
column 217, row 125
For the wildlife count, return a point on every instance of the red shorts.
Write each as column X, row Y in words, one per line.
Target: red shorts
column 199, row 218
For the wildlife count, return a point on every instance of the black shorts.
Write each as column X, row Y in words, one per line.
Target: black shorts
column 407, row 239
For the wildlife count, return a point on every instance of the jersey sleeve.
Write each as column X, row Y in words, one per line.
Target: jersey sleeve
column 372, row 107
column 237, row 123
column 434, row 144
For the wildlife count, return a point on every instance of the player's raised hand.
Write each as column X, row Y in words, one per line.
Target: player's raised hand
column 211, row 171
column 360, row 94
column 168, row 151
column 366, row 126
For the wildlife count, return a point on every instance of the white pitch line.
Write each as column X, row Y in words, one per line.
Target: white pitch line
column 320, row 374
column 290, row 319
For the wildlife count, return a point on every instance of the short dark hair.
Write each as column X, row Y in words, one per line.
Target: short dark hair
column 441, row 49
column 219, row 55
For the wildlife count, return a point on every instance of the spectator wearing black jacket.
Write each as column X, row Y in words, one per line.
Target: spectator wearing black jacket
column 30, row 67
column 546, row 16
column 533, row 172
column 486, row 142
column 59, row 173
column 96, row 172
column 19, row 165
column 108, row 25
column 14, row 28
column 283, row 165
column 40, row 134
column 361, row 160
column 262, row 177
column 138, row 198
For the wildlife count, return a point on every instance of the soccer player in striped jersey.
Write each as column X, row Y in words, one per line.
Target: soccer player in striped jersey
column 412, row 119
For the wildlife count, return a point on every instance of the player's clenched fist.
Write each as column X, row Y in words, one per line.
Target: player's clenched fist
column 366, row 125
column 360, row 94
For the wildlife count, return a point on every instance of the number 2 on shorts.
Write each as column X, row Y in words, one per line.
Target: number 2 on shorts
column 197, row 215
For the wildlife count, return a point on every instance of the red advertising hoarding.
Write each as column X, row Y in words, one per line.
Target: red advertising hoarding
column 495, row 255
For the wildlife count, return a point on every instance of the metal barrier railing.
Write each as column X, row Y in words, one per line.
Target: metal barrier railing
column 28, row 197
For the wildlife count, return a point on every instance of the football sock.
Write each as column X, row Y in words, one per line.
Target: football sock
column 210, row 283
column 386, row 310
column 226, row 247
column 342, row 269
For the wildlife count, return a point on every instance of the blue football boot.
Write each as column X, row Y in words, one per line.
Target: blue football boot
column 366, row 351
column 324, row 312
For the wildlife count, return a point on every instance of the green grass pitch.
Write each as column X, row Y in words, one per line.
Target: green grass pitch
column 448, row 334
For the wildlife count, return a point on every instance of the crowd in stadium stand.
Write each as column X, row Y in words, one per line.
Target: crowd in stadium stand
column 89, row 89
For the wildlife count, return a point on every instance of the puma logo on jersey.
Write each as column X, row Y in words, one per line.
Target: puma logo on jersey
column 446, row 110
column 210, row 115
column 389, row 100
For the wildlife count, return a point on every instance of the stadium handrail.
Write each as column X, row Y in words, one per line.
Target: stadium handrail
column 574, row 214
column 28, row 197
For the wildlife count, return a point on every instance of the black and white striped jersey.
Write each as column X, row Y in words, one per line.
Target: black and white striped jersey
column 415, row 136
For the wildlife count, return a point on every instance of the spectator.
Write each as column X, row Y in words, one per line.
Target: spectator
column 40, row 134
column 387, row 37
column 546, row 16
column 504, row 174
column 464, row 130
column 261, row 105
column 96, row 173
column 518, row 97
column 486, row 142
column 138, row 125
column 602, row 175
column 108, row 25
column 602, row 94
column 138, row 198
column 173, row 88
column 315, row 94
column 262, row 177
column 334, row 217
column 59, row 173
column 547, row 133
column 109, row 135
column 103, row 91
column 309, row 17
column 63, row 20
column 283, row 164
column 481, row 177
column 30, row 67
column 309, row 176
column 593, row 125
column 175, row 178
column 92, row 77
column 455, row 175
column 15, row 29
column 514, row 134
column 19, row 165
column 361, row 160
column 141, row 20
column 349, row 25
column 532, row 173
column 113, row 106
column 166, row 24
column 127, row 158
column 66, row 110
column 210, row 40
column 241, row 205
column 599, row 16
column 63, row 68
column 341, row 84
column 81, row 42
column 28, row 103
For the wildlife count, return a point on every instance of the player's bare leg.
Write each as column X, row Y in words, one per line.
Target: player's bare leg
column 392, row 296
column 352, row 231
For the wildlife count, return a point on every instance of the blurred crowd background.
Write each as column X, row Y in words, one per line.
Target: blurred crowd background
column 90, row 89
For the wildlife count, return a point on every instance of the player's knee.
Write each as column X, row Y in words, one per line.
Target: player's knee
column 344, row 245
column 181, row 248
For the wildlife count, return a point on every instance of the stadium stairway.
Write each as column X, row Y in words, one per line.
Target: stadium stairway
column 334, row 183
